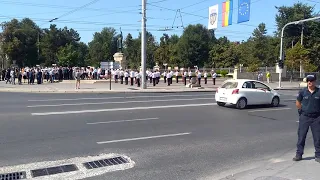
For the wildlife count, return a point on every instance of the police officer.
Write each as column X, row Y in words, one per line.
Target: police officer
column 308, row 104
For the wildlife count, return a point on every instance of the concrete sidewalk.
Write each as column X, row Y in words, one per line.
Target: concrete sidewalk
column 282, row 168
column 103, row 86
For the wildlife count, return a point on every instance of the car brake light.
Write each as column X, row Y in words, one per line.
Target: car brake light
column 236, row 91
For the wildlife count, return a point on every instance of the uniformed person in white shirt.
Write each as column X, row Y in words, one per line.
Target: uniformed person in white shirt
column 138, row 78
column 150, row 76
column 158, row 76
column 126, row 77
column 154, row 77
column 165, row 76
column 177, row 76
column 190, row 75
column 205, row 75
column 169, row 78
column 214, row 76
column 121, row 76
column 199, row 77
column 132, row 74
column 185, row 77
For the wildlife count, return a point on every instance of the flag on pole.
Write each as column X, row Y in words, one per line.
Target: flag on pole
column 213, row 17
column 244, row 11
column 227, row 10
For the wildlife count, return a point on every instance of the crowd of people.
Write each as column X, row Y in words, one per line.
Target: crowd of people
column 51, row 74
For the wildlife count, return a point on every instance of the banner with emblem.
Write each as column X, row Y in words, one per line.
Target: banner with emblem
column 213, row 17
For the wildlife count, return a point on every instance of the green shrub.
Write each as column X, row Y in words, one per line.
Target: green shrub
column 218, row 71
column 224, row 73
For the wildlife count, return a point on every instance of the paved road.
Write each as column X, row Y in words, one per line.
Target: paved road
column 192, row 139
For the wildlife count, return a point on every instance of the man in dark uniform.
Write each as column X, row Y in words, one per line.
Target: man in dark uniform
column 308, row 104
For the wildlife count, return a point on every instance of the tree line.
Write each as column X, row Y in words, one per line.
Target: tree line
column 28, row 45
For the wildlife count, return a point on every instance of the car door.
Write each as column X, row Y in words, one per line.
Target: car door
column 250, row 93
column 263, row 92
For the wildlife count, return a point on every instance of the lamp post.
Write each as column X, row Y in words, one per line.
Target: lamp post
column 281, row 42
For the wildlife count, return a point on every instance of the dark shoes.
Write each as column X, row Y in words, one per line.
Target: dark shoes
column 297, row 158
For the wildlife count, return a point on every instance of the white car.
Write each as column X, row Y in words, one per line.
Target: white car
column 243, row 92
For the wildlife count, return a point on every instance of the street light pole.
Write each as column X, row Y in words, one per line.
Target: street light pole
column 281, row 41
column 143, row 45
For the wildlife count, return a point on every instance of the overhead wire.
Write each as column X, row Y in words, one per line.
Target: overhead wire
column 205, row 17
column 62, row 7
column 79, row 8
column 116, row 24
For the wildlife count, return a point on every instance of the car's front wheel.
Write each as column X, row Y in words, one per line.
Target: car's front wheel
column 275, row 101
column 242, row 103
column 221, row 103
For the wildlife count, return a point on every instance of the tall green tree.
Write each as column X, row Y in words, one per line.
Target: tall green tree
column 20, row 41
column 102, row 47
column 193, row 46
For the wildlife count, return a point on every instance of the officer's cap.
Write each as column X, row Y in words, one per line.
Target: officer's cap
column 310, row 78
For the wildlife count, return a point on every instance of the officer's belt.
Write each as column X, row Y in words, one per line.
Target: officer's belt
column 311, row 115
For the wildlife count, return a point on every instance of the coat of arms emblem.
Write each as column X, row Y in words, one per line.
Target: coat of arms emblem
column 213, row 16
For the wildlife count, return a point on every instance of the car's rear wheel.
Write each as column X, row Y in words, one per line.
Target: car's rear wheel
column 221, row 103
column 242, row 103
column 275, row 101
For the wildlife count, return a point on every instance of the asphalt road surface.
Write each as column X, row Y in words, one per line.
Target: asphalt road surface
column 168, row 135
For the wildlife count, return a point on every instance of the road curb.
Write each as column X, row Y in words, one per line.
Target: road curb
column 109, row 91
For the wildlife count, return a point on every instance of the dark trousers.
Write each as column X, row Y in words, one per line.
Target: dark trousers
column 121, row 79
column 177, row 79
column 126, row 80
column 157, row 80
column 214, row 81
column 154, row 81
column 138, row 82
column 205, row 80
column 199, row 81
column 165, row 79
column 304, row 124
column 169, row 81
column 131, row 81
column 116, row 78
column 185, row 80
column 150, row 79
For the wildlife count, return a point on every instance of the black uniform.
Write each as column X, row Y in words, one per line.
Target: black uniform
column 309, row 117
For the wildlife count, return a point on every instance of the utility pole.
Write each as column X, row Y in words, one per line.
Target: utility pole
column 301, row 69
column 143, row 45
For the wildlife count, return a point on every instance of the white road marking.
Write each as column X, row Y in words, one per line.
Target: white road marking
column 269, row 109
column 131, row 120
column 118, row 102
column 288, row 99
column 143, row 138
column 297, row 121
column 131, row 97
column 120, row 109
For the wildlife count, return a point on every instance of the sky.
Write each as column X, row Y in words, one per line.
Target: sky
column 162, row 16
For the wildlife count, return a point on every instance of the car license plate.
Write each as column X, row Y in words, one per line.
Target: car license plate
column 223, row 99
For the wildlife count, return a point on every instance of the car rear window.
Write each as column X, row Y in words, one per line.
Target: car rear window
column 230, row 85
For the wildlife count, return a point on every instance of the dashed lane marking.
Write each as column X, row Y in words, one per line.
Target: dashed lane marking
column 269, row 109
column 143, row 138
column 121, row 109
column 120, row 121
